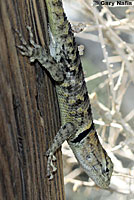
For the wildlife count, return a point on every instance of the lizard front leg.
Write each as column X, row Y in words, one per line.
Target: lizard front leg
column 63, row 134
column 36, row 52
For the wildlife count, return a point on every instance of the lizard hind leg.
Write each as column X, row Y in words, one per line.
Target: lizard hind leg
column 42, row 55
column 63, row 134
column 31, row 39
column 26, row 49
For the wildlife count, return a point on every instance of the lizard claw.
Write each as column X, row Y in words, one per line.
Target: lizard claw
column 25, row 49
column 51, row 177
column 50, row 166
column 53, row 158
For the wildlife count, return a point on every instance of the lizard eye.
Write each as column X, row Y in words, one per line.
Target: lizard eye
column 89, row 157
column 105, row 170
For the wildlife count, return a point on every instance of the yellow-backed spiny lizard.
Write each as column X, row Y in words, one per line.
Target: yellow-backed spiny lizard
column 64, row 65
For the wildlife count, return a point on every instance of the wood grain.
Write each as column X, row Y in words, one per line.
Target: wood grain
column 29, row 115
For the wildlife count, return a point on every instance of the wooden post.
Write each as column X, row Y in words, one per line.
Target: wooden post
column 29, row 116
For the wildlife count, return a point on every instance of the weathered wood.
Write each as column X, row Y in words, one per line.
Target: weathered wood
column 29, row 116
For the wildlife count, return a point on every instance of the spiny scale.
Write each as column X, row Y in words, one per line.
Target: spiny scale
column 64, row 65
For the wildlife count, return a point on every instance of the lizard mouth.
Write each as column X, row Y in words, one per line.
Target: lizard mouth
column 100, row 180
column 99, row 172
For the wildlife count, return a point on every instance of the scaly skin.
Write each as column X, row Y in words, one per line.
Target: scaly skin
column 64, row 65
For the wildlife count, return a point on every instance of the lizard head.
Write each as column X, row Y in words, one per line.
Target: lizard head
column 93, row 159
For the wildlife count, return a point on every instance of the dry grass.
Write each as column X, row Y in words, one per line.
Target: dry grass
column 114, row 129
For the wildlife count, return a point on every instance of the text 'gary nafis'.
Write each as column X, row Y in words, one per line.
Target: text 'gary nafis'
column 117, row 3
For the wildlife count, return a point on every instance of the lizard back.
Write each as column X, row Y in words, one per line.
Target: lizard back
column 63, row 62
column 74, row 101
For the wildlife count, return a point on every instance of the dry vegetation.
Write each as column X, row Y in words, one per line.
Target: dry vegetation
column 115, row 130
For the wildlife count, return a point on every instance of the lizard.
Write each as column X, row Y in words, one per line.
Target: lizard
column 63, row 63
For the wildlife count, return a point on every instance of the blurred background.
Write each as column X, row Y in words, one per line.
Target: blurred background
column 105, row 35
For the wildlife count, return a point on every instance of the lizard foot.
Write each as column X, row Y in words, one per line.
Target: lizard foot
column 50, row 166
column 25, row 49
